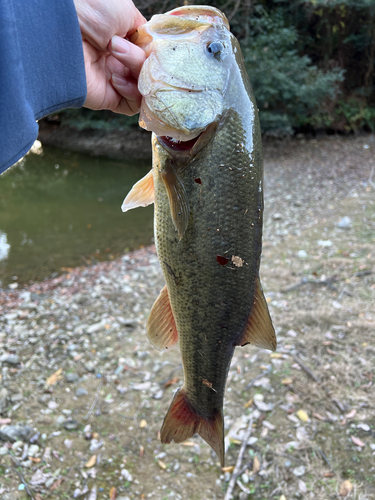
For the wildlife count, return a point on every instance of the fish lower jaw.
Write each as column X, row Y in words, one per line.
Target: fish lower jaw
column 177, row 145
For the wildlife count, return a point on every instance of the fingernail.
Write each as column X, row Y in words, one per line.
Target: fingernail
column 119, row 45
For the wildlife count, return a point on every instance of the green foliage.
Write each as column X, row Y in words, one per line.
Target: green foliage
column 288, row 88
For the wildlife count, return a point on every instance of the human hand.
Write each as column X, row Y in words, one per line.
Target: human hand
column 112, row 63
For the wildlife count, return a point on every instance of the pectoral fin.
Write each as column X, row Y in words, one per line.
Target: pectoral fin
column 141, row 194
column 161, row 326
column 178, row 201
column 259, row 330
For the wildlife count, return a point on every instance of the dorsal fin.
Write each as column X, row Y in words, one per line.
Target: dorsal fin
column 161, row 326
column 141, row 194
column 259, row 330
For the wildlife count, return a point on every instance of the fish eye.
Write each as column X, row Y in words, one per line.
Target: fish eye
column 215, row 48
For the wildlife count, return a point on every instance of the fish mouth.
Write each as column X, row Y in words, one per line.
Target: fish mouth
column 178, row 146
column 190, row 147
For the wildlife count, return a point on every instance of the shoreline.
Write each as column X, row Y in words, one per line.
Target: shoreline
column 115, row 144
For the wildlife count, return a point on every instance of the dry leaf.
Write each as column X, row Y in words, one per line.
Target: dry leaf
column 91, row 462
column 188, row 443
column 328, row 474
column 113, row 493
column 351, row 414
column 287, row 381
column 56, row 484
column 357, row 441
column 345, row 488
column 319, row 417
column 230, row 468
column 302, row 415
column 276, row 355
column 256, row 465
column 162, row 464
column 282, row 497
column 248, row 404
column 55, row 377
column 143, row 424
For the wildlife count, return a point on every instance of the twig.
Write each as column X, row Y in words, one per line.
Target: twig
column 21, row 477
column 307, row 370
column 305, row 281
column 237, row 468
column 92, row 407
column 324, row 457
column 370, row 178
column 256, row 378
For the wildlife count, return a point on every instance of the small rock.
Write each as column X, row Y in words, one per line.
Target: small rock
column 299, row 471
column 13, row 433
column 11, row 359
column 277, row 216
column 16, row 398
column 3, row 450
column 363, row 426
column 71, row 425
column 3, row 399
column 60, row 419
column 302, row 254
column 81, row 392
column 90, row 367
column 71, row 377
column 291, row 333
column 336, row 304
column 325, row 243
column 345, row 488
column 16, row 446
column 95, row 444
column 127, row 475
column 345, row 223
column 33, row 450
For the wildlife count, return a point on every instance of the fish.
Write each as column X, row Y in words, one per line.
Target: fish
column 206, row 184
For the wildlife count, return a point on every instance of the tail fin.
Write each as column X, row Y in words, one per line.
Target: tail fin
column 182, row 421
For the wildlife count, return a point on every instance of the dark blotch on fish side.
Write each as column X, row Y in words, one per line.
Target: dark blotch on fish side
column 198, row 180
column 222, row 260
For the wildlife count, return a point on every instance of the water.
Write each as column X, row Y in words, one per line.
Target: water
column 60, row 209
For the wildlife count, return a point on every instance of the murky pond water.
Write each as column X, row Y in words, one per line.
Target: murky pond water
column 62, row 209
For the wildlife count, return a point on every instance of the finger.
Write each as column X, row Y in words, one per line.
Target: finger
column 128, row 54
column 130, row 97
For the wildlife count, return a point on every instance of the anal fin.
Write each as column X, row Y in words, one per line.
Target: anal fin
column 259, row 330
column 161, row 327
column 141, row 194
column 182, row 422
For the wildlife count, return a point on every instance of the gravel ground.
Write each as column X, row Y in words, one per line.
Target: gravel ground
column 83, row 394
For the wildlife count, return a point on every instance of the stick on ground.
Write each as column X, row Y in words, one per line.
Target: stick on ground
column 237, row 468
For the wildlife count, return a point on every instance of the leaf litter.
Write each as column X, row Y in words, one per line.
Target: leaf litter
column 78, row 375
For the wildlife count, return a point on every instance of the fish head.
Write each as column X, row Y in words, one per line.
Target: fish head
column 185, row 77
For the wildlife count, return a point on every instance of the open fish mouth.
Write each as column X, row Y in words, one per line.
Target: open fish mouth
column 178, row 146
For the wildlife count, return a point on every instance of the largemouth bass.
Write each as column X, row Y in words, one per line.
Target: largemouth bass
column 207, row 185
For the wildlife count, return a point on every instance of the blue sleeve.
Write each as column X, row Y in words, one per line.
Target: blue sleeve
column 41, row 69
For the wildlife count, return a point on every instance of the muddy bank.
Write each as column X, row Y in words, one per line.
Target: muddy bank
column 116, row 144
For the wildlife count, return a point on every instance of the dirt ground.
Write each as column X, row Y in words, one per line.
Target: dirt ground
column 88, row 393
